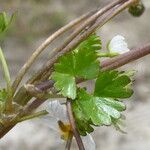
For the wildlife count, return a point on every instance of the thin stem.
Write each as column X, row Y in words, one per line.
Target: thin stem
column 128, row 57
column 36, row 92
column 107, row 54
column 8, row 81
column 40, row 49
column 4, row 130
column 48, row 68
column 73, row 125
column 35, row 115
column 69, row 142
column 109, row 64
column 19, row 99
column 99, row 23
column 5, row 69
column 88, row 22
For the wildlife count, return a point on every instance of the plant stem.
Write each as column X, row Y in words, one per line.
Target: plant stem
column 144, row 51
column 38, row 114
column 130, row 56
column 107, row 54
column 8, row 81
column 109, row 64
column 69, row 142
column 90, row 21
column 73, row 125
column 125, row 58
column 5, row 69
column 99, row 23
column 48, row 68
column 41, row 48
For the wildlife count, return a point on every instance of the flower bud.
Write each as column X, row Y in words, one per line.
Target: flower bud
column 118, row 45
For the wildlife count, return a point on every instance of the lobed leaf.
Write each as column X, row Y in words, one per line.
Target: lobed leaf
column 95, row 110
column 66, row 84
column 81, row 63
column 113, row 84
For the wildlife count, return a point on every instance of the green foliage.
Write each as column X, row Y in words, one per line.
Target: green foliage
column 5, row 21
column 5, row 70
column 137, row 10
column 3, row 98
column 102, row 107
column 3, row 95
column 92, row 110
column 65, row 83
column 118, row 123
column 113, row 84
column 80, row 63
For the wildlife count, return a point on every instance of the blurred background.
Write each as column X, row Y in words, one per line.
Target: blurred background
column 34, row 22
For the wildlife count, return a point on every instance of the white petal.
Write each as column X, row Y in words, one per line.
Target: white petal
column 50, row 122
column 88, row 142
column 118, row 45
column 56, row 110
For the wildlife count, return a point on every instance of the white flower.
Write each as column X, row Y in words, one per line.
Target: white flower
column 118, row 45
column 57, row 120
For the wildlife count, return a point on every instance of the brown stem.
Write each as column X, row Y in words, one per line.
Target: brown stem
column 123, row 59
column 109, row 64
column 48, row 68
column 69, row 142
column 104, row 64
column 91, row 20
column 73, row 125
column 45, row 44
column 5, row 130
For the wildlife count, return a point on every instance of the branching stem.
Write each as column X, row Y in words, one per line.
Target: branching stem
column 106, row 65
column 73, row 40
column 44, row 45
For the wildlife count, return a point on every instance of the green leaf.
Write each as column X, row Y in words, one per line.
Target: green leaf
column 82, row 124
column 95, row 110
column 3, row 95
column 80, row 63
column 119, row 123
column 65, row 83
column 5, row 70
column 113, row 84
column 5, row 21
column 3, row 98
